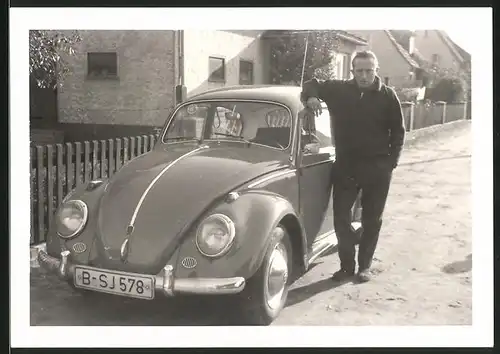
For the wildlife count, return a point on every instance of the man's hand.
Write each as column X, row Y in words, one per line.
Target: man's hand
column 315, row 105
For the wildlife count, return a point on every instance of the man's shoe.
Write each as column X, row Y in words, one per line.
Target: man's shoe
column 364, row 276
column 342, row 275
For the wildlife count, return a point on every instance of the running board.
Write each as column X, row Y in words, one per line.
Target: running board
column 324, row 242
column 321, row 245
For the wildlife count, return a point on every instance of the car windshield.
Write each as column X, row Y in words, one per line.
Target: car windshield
column 261, row 123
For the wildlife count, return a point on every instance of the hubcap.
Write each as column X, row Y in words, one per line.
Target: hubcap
column 277, row 276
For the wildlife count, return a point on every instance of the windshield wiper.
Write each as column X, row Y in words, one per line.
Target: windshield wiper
column 234, row 136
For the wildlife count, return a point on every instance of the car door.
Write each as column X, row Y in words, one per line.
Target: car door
column 315, row 165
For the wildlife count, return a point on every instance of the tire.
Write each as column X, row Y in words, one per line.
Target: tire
column 257, row 306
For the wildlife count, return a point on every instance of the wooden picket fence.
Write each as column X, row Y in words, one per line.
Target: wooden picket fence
column 57, row 169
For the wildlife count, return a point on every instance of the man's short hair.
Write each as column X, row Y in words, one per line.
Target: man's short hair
column 365, row 54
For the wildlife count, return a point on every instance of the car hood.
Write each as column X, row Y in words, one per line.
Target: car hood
column 162, row 191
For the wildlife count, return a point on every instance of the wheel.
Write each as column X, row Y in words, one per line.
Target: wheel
column 266, row 292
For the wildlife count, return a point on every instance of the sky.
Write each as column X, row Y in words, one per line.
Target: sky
column 461, row 37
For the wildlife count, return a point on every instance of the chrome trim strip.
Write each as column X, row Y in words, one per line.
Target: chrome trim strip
column 124, row 250
column 270, row 177
column 153, row 182
column 316, row 163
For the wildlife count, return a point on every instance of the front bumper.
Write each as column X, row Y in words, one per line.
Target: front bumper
column 165, row 282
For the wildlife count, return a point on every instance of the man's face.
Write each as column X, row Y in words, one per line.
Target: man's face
column 364, row 71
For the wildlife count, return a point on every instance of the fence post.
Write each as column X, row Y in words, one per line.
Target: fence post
column 464, row 105
column 411, row 107
column 40, row 196
column 443, row 111
column 111, row 153
column 33, row 184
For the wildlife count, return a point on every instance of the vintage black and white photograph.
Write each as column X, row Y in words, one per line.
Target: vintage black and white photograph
column 285, row 174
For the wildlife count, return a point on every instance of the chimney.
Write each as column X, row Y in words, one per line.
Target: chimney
column 411, row 43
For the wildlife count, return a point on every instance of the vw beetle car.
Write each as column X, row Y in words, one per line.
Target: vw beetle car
column 234, row 198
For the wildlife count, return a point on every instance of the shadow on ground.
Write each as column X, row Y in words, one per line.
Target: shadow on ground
column 459, row 266
column 55, row 303
column 303, row 293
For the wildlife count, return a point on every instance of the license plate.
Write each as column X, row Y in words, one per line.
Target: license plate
column 113, row 282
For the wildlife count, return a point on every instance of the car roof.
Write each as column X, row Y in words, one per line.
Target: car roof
column 288, row 95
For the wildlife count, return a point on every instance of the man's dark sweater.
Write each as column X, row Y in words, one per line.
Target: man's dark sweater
column 367, row 122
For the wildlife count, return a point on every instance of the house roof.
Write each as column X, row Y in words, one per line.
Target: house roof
column 345, row 35
column 460, row 54
column 404, row 53
column 419, row 57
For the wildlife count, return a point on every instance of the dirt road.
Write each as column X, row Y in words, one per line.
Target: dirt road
column 422, row 267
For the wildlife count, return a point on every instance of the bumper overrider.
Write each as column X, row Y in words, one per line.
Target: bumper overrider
column 165, row 282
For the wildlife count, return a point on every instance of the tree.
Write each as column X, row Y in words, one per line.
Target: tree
column 446, row 84
column 47, row 50
column 287, row 55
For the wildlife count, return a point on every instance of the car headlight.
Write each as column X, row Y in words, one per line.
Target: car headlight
column 71, row 218
column 215, row 235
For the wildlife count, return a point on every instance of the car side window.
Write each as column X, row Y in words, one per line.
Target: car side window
column 317, row 133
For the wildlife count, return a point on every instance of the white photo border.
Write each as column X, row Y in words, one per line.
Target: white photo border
column 479, row 334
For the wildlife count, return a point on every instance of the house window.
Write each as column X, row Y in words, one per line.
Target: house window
column 342, row 66
column 346, row 61
column 435, row 59
column 102, row 64
column 217, row 69
column 246, row 72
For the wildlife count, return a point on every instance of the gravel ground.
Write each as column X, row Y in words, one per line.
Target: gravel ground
column 422, row 266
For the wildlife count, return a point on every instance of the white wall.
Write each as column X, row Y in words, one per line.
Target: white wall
column 199, row 45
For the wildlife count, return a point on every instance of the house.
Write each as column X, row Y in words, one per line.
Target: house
column 439, row 49
column 124, row 82
column 398, row 68
column 349, row 43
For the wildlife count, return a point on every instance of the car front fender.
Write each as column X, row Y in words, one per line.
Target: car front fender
column 255, row 215
column 90, row 194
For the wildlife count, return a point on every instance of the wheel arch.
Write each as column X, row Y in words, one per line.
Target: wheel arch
column 294, row 230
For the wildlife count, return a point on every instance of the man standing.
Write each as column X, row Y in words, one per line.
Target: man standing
column 369, row 133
